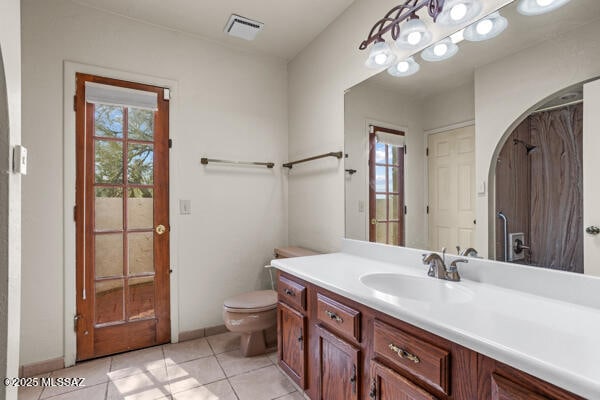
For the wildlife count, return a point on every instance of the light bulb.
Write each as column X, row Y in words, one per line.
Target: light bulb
column 440, row 49
column 380, row 59
column 414, row 38
column 459, row 11
column 403, row 66
column 544, row 3
column 484, row 27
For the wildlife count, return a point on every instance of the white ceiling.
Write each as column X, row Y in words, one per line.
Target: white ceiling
column 522, row 32
column 290, row 25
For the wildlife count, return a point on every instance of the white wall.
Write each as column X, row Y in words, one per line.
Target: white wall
column 450, row 107
column 318, row 77
column 371, row 102
column 508, row 89
column 229, row 105
column 10, row 189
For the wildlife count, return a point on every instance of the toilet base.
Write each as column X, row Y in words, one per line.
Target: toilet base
column 253, row 344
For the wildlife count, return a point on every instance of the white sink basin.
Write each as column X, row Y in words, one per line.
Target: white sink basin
column 393, row 287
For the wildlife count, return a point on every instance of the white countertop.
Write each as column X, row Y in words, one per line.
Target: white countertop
column 544, row 335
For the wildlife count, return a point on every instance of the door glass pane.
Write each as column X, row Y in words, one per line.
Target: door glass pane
column 108, row 120
column 141, row 252
column 393, row 184
column 380, row 207
column 394, row 205
column 380, row 179
column 140, row 160
column 141, row 298
column 140, row 124
column 140, row 209
column 108, row 255
column 381, row 232
column 108, row 209
column 380, row 153
column 109, row 161
column 393, row 233
column 109, row 301
column 393, row 154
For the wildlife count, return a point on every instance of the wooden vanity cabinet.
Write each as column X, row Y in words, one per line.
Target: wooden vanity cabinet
column 498, row 381
column 387, row 384
column 338, row 367
column 292, row 329
column 337, row 349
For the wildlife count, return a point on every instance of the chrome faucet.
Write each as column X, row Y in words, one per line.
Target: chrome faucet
column 468, row 252
column 438, row 269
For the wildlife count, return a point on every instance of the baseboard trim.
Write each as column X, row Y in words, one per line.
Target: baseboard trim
column 41, row 367
column 46, row 366
column 200, row 333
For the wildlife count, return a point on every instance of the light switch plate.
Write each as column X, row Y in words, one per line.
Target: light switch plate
column 185, row 207
column 20, row 160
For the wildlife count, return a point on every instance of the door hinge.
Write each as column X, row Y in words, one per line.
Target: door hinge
column 170, row 143
column 405, row 149
column 427, row 209
column 405, row 210
column 75, row 213
column 427, row 152
column 74, row 102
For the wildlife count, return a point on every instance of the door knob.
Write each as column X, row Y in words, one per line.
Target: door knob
column 592, row 230
column 373, row 221
column 160, row 229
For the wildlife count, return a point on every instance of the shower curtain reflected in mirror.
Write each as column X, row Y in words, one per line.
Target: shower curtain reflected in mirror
column 539, row 186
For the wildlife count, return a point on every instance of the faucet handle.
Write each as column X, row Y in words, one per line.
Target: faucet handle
column 444, row 255
column 458, row 250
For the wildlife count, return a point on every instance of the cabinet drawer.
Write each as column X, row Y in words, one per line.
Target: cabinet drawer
column 421, row 359
column 338, row 317
column 292, row 292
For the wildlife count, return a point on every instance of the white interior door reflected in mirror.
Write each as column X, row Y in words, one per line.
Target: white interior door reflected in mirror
column 591, row 189
column 451, row 170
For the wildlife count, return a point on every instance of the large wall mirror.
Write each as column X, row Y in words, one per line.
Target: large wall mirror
column 489, row 153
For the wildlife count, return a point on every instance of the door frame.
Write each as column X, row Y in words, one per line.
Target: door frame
column 69, row 177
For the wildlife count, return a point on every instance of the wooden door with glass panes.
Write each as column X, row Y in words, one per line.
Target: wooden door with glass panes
column 122, row 192
column 386, row 190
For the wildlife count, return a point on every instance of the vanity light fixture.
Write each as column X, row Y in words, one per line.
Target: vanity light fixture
column 380, row 56
column 486, row 28
column 413, row 34
column 538, row 7
column 404, row 68
column 456, row 12
column 442, row 50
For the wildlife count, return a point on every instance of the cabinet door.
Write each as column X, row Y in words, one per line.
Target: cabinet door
column 291, row 339
column 338, row 368
column 503, row 389
column 387, row 384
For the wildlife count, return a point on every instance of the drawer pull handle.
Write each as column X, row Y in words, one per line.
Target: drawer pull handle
column 403, row 353
column 290, row 292
column 334, row 316
column 373, row 391
column 353, row 379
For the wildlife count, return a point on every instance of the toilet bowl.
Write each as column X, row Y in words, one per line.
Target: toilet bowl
column 250, row 314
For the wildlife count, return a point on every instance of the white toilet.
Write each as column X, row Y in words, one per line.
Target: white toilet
column 251, row 314
column 254, row 314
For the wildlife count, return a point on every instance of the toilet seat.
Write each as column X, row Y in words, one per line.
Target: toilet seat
column 252, row 302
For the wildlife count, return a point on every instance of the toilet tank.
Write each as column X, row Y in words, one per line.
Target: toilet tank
column 292, row 251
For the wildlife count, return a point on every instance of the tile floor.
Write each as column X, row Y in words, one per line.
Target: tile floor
column 203, row 369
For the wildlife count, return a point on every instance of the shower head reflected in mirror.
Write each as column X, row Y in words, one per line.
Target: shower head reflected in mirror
column 528, row 146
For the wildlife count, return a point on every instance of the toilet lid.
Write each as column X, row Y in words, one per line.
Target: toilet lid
column 261, row 300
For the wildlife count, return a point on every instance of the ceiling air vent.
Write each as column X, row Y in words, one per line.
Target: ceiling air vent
column 243, row 28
